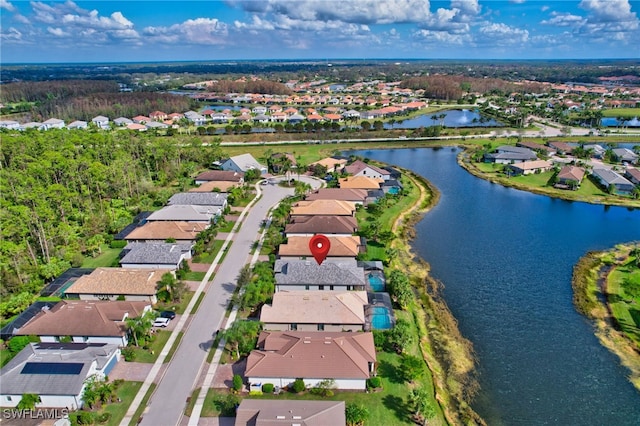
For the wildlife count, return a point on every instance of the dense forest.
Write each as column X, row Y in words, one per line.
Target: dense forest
column 63, row 194
column 452, row 87
column 71, row 100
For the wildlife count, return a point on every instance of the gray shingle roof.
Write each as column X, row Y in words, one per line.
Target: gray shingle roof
column 343, row 272
column 16, row 383
column 198, row 199
column 154, row 253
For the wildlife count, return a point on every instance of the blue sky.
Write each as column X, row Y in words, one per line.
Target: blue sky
column 115, row 31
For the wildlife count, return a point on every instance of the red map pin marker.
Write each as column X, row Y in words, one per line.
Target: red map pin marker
column 319, row 246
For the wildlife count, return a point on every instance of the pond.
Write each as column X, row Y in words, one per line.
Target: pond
column 450, row 118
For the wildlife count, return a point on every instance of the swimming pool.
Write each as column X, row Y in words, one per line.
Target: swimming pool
column 376, row 283
column 394, row 190
column 380, row 319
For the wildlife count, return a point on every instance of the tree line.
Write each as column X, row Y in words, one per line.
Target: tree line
column 454, row 87
column 251, row 86
column 64, row 194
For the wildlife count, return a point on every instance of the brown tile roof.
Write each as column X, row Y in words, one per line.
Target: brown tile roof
column 316, row 307
column 311, row 355
column 117, row 281
column 322, row 225
column 330, row 162
column 83, row 318
column 223, row 186
column 532, row 165
column 225, row 175
column 361, row 182
column 340, row 247
column 323, row 207
column 162, row 230
column 572, row 173
column 358, row 166
column 562, row 146
column 274, row 412
column 343, row 194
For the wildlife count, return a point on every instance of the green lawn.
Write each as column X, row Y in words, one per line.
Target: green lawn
column 375, row 251
column 126, row 392
column 178, row 308
column 109, row 257
column 626, row 309
column 194, row 276
column 197, row 304
column 5, row 357
column 151, row 354
column 227, row 227
column 210, row 255
column 622, row 112
column 537, row 180
column 143, row 404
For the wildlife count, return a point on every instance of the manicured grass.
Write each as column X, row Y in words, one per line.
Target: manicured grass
column 109, row 257
column 227, row 227
column 48, row 299
column 5, row 356
column 143, row 404
column 174, row 347
column 126, row 392
column 210, row 255
column 197, row 304
column 192, row 402
column 178, row 308
column 375, row 251
column 146, row 355
column 537, row 180
column 625, row 308
column 194, row 276
column 622, row 112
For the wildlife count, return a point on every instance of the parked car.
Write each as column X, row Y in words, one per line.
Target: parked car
column 161, row 322
column 168, row 314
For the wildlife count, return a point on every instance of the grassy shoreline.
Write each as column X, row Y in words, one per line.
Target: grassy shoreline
column 593, row 299
column 448, row 354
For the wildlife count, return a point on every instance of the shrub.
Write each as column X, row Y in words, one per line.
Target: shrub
column 18, row 343
column 298, row 386
column 85, row 418
column 237, row 383
column 116, row 244
column 267, row 388
column 103, row 418
column 227, row 405
column 128, row 353
column 374, row 383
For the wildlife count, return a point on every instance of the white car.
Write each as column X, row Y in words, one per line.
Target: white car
column 161, row 322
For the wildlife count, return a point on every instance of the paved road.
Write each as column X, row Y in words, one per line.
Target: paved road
column 169, row 399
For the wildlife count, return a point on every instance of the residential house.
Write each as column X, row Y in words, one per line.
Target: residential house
column 356, row 196
column 53, row 123
column 184, row 213
column 507, row 154
column 334, row 274
column 391, row 186
column 78, row 124
column 220, row 176
column 141, row 119
column 612, row 181
column 597, row 150
column 114, row 283
column 308, row 226
column 195, row 118
column 179, row 231
column 360, row 168
column 215, row 200
column 101, row 122
column 298, row 247
column 156, row 125
column 625, row 155
column 530, row 167
column 155, row 255
column 315, row 311
column 570, row 177
column 323, row 208
column 243, row 163
column 56, row 372
column 331, row 163
column 282, row 357
column 278, row 159
column 122, row 121
column 85, row 321
column 9, row 124
column 633, row 175
column 276, row 412
column 137, row 127
column 561, row 147
column 158, row 116
column 536, row 147
column 360, row 182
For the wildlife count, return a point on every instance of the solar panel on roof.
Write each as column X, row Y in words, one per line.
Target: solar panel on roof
column 66, row 368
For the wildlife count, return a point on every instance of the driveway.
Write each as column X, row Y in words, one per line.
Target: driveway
column 166, row 405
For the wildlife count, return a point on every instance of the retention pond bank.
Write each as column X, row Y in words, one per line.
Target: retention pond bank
column 506, row 259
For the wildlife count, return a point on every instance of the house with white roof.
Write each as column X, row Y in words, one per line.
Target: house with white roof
column 78, row 124
column 101, row 121
column 243, row 163
column 53, row 123
column 608, row 179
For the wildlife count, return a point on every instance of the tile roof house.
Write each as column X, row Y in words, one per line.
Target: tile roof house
column 360, row 168
column 186, row 213
column 180, row 231
column 331, row 163
column 282, row 357
column 307, row 226
column 274, row 412
column 633, row 175
column 214, row 199
column 360, row 182
column 122, row 121
column 569, row 177
column 78, row 124
column 215, row 186
column 53, row 123
column 507, row 154
column 323, row 208
column 609, row 178
column 155, row 255
column 111, row 283
column 625, row 155
column 298, row 247
column 243, row 163
column 536, row 147
column 101, row 121
column 220, row 175
column 85, row 321
column 315, row 311
column 332, row 274
column 354, row 195
column 561, row 147
column 56, row 372
column 530, row 167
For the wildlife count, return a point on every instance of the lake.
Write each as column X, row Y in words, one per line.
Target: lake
column 505, row 257
column 452, row 118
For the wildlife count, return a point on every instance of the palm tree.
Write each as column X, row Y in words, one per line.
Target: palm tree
column 139, row 327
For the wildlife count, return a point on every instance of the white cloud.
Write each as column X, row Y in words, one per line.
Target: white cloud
column 4, row 4
column 564, row 20
column 203, row 31
column 442, row 38
column 11, row 34
column 58, row 32
column 499, row 34
column 609, row 10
